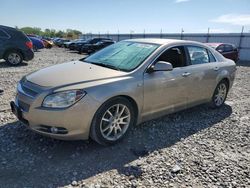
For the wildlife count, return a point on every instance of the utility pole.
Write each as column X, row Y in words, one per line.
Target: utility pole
column 118, row 35
column 182, row 31
column 241, row 36
column 208, row 30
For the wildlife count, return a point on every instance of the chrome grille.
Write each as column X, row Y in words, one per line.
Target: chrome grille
column 24, row 106
column 29, row 91
column 26, row 93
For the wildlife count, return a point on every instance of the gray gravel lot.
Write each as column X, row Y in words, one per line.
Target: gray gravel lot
column 199, row 147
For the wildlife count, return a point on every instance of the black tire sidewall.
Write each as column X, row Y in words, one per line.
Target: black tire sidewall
column 14, row 51
column 35, row 48
column 95, row 132
column 215, row 92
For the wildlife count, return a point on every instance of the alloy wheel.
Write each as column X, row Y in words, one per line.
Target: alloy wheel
column 115, row 122
column 14, row 58
column 221, row 94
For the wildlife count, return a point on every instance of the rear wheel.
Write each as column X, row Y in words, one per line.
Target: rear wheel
column 112, row 121
column 14, row 57
column 220, row 94
column 35, row 48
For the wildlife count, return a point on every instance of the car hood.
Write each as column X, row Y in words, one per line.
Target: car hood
column 71, row 73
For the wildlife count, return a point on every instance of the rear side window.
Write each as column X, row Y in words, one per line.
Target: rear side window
column 228, row 48
column 220, row 48
column 198, row 55
column 3, row 34
column 211, row 57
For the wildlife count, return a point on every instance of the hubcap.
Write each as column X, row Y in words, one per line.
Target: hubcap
column 221, row 94
column 14, row 58
column 115, row 122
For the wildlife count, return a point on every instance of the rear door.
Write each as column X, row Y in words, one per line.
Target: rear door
column 203, row 70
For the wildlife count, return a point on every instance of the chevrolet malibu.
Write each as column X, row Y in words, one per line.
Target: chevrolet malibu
column 124, row 84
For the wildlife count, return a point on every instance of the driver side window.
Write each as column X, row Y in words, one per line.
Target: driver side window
column 175, row 55
column 198, row 55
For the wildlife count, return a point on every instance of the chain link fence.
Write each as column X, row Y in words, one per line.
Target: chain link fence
column 241, row 40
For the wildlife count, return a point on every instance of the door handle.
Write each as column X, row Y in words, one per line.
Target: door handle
column 185, row 74
column 216, row 68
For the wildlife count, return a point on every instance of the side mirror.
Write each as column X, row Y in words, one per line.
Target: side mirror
column 220, row 51
column 160, row 66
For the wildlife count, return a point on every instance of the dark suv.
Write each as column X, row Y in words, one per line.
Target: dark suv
column 14, row 46
column 91, row 48
column 79, row 45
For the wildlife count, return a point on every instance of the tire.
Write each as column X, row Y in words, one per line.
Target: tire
column 14, row 57
column 107, row 129
column 35, row 48
column 220, row 94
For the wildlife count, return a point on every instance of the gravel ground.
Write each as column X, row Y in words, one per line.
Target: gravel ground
column 199, row 147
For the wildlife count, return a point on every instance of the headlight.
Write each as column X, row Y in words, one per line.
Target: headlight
column 63, row 99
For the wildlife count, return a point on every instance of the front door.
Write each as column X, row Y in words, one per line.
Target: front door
column 165, row 91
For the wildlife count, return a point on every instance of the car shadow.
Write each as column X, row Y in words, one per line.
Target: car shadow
column 4, row 64
column 29, row 159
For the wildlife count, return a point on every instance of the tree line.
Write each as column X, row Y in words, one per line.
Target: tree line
column 69, row 33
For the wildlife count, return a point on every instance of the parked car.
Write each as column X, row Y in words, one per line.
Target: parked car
column 79, row 45
column 124, row 84
column 91, row 48
column 15, row 46
column 71, row 44
column 229, row 51
column 47, row 43
column 60, row 42
column 37, row 43
column 66, row 44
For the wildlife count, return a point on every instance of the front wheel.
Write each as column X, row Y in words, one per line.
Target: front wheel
column 220, row 94
column 112, row 121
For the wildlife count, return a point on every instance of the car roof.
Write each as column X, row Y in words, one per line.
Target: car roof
column 11, row 31
column 162, row 41
column 7, row 27
column 214, row 44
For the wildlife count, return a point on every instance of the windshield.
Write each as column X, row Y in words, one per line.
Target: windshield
column 124, row 55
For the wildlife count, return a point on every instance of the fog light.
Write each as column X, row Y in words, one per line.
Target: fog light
column 54, row 130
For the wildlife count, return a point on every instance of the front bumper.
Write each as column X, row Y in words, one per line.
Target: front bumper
column 72, row 123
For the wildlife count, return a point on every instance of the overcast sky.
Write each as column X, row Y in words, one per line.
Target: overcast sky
column 128, row 15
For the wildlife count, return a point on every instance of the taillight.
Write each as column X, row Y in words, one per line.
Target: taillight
column 29, row 44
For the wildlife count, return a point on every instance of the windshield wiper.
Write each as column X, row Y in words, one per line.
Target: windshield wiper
column 106, row 65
